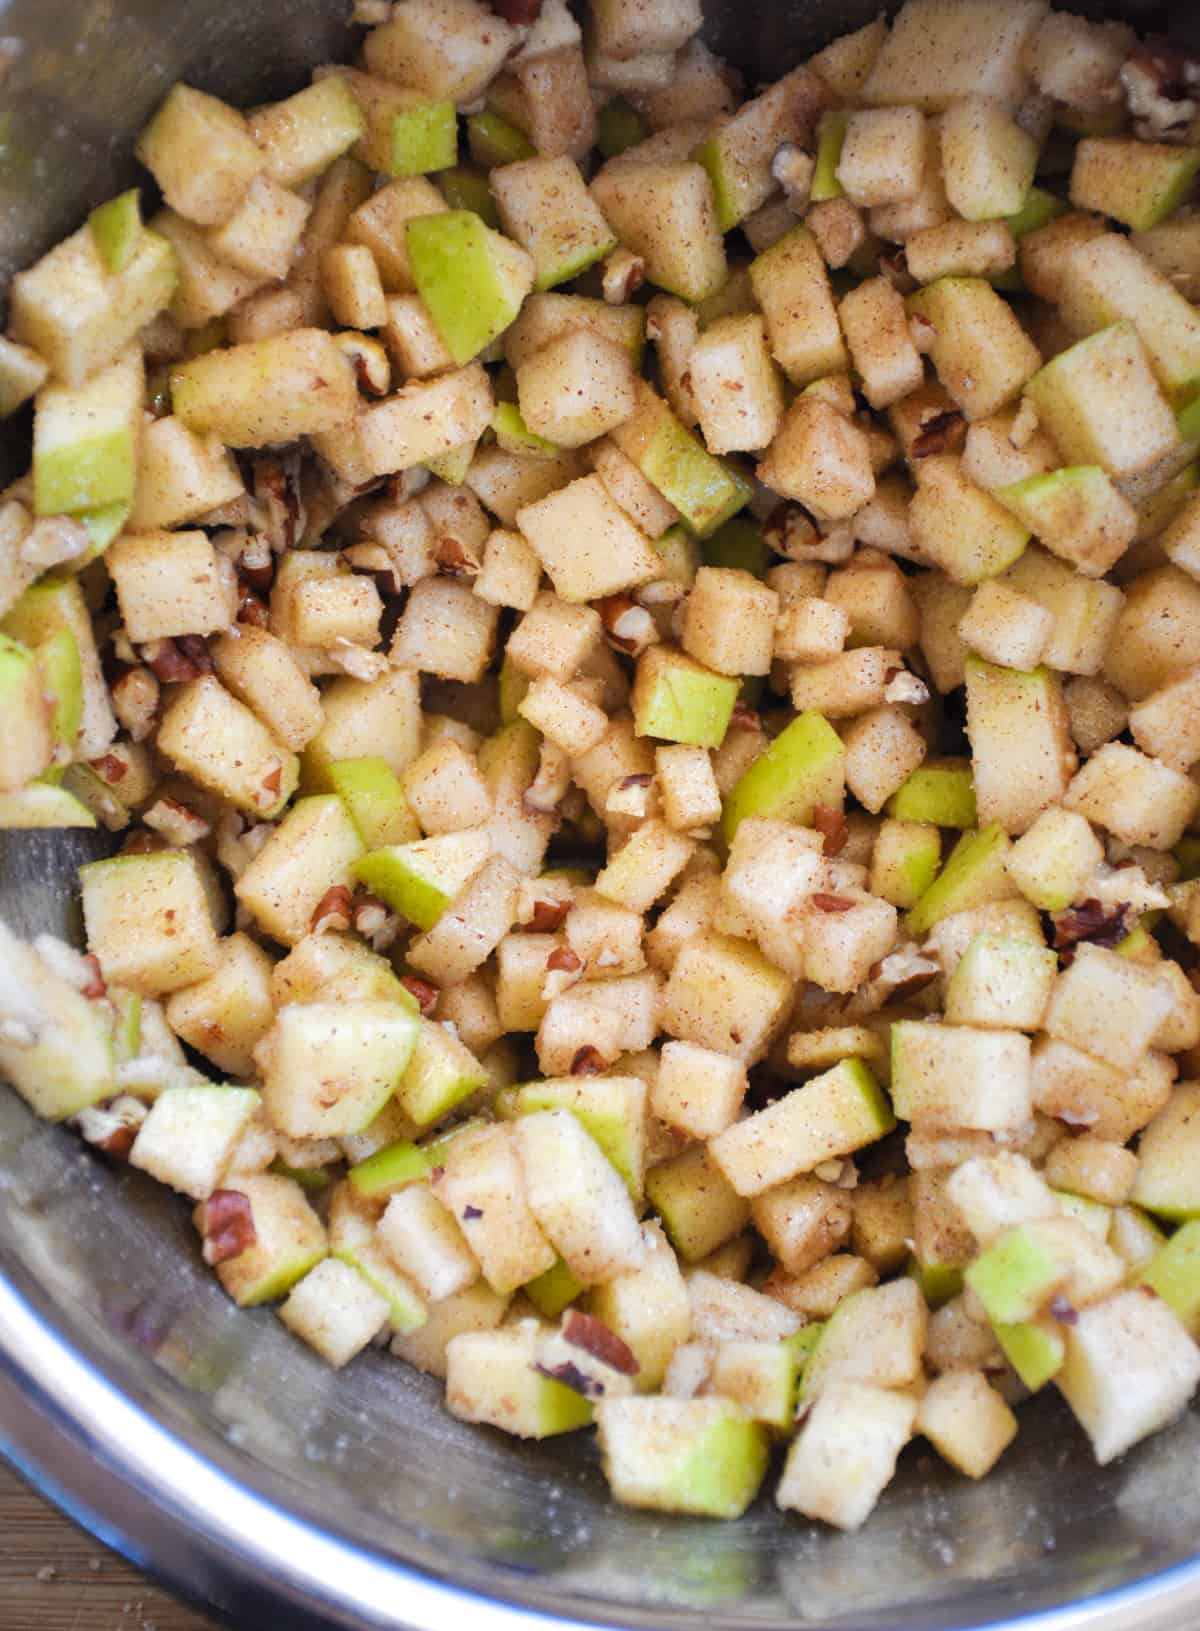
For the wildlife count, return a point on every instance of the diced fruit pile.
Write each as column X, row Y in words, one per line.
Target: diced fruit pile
column 651, row 701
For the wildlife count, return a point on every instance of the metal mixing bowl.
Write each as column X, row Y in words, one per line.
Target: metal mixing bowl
column 214, row 1449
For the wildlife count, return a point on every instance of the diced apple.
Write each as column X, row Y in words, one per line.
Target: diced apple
column 422, row 878
column 202, row 154
column 705, row 1457
column 471, row 279
column 273, row 390
column 290, row 1241
column 834, row 1114
column 329, row 1068
column 190, row 1134
column 667, row 214
column 1130, row 1368
column 86, row 440
column 955, row 1076
column 846, row 1453
column 492, row 1377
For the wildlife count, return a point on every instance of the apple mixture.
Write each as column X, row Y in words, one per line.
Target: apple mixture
column 639, row 638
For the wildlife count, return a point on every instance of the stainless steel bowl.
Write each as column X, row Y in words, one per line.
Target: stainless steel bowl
column 213, row 1449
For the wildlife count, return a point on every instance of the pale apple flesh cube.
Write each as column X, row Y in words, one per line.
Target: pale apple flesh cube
column 700, row 1456
column 1023, row 757
column 85, row 440
column 938, row 50
column 272, row 390
column 189, row 1135
column 791, row 285
column 224, row 1015
column 955, row 1076
column 306, row 133
column 171, row 583
column 666, row 213
column 586, row 543
column 202, row 154
column 329, row 1068
column 832, row 1115
column 545, row 205
column 69, row 1064
column 335, row 1310
column 312, row 851
column 213, row 738
column 1130, row 1368
column 845, row 1454
column 492, row 1377
column 967, row 1421
column 149, row 920
column 1100, row 402
column 426, row 1244
column 290, row 1240
column 483, row 1185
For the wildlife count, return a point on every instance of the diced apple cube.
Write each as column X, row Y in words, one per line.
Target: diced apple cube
column 273, row 390
column 1139, row 799
column 578, row 1197
column 586, row 543
column 578, row 387
column 954, row 1076
column 225, row 1014
column 666, row 213
column 846, row 1453
column 883, row 156
column 149, row 920
column 191, row 1132
column 791, row 286
column 821, row 459
column 335, row 1310
column 424, row 1241
column 202, row 154
column 290, row 1241
column 966, row 1421
column 699, row 1456
column 329, row 1068
column 1130, row 1368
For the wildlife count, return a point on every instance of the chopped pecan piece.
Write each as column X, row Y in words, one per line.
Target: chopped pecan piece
column 944, row 433
column 1161, row 81
column 250, row 608
column 454, row 559
column 95, row 988
column 548, row 916
column 589, row 1061
column 518, row 11
column 894, row 267
column 832, row 826
column 175, row 662
column 426, row 995
column 110, row 768
column 833, row 903
column 112, row 1126
column 227, row 1224
column 562, row 960
column 334, row 911
column 744, row 717
column 628, row 626
column 624, row 273
column 179, row 825
column 135, row 695
column 1091, row 920
column 594, row 1337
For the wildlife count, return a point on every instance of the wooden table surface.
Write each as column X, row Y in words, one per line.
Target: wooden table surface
column 54, row 1577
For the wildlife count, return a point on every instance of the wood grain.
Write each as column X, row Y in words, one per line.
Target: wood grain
column 54, row 1577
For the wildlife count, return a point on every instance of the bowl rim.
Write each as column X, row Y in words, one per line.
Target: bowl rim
column 135, row 1484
